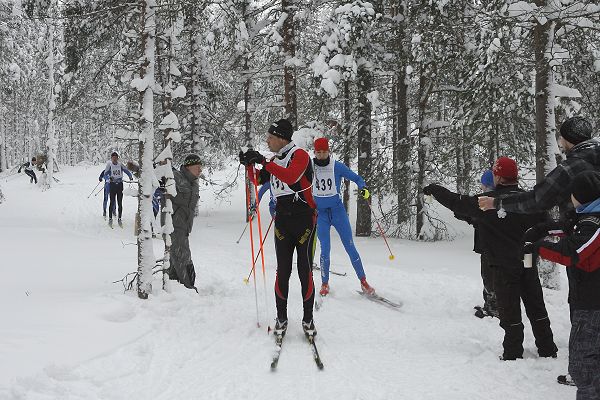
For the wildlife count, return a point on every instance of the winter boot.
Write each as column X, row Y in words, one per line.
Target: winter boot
column 110, row 222
column 565, row 380
column 120, row 222
column 309, row 328
column 104, row 214
column 324, row 289
column 280, row 328
column 366, row 288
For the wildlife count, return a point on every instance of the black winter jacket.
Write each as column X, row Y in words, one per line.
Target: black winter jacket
column 499, row 238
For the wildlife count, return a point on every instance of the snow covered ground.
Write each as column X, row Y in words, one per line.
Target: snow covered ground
column 68, row 332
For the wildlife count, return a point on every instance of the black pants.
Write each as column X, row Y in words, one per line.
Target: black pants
column 584, row 353
column 487, row 276
column 31, row 174
column 116, row 191
column 294, row 232
column 514, row 283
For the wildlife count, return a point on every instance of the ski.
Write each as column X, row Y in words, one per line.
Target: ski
column 380, row 299
column 315, row 266
column 315, row 352
column 278, row 346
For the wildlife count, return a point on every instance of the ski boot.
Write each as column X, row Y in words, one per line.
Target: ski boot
column 120, row 222
column 280, row 328
column 366, row 288
column 565, row 380
column 309, row 328
column 110, row 222
column 324, row 289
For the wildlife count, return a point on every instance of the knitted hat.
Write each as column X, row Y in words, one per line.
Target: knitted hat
column 506, row 168
column 114, row 153
column 321, row 144
column 192, row 159
column 586, row 187
column 282, row 128
column 576, row 130
column 487, row 179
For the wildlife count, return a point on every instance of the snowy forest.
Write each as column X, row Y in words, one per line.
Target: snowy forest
column 412, row 92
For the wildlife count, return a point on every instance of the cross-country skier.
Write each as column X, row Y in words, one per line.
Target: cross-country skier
column 106, row 178
column 501, row 237
column 29, row 166
column 115, row 170
column 327, row 178
column 290, row 176
column 184, row 209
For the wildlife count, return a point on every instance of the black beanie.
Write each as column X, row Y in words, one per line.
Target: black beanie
column 586, row 187
column 282, row 128
column 114, row 153
column 192, row 159
column 576, row 130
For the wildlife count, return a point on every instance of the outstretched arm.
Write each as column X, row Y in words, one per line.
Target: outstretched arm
column 345, row 172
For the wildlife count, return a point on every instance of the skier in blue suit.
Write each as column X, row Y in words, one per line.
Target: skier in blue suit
column 263, row 189
column 327, row 179
column 106, row 178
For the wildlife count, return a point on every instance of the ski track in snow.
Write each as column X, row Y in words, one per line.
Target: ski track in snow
column 68, row 332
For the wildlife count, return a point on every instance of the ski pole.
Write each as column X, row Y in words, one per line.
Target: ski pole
column 94, row 189
column 244, row 231
column 99, row 190
column 252, row 242
column 260, row 238
column 246, row 280
column 391, row 257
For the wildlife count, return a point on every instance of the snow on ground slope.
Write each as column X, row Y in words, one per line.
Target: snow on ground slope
column 68, row 332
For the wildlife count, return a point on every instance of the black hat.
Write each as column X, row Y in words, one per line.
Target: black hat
column 114, row 153
column 282, row 128
column 586, row 187
column 192, row 159
column 576, row 130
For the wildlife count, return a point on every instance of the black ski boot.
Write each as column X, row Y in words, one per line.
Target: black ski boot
column 309, row 328
column 280, row 327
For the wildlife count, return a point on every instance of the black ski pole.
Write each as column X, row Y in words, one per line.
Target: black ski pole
column 244, row 231
column 94, row 189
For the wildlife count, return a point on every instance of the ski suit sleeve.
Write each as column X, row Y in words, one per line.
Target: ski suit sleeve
column 107, row 168
column 127, row 172
column 579, row 249
column 101, row 175
column 294, row 171
column 464, row 206
column 542, row 197
column 263, row 189
column 345, row 172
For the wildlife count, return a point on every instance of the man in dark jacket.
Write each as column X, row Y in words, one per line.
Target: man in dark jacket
column 579, row 251
column 500, row 235
column 29, row 166
column 184, row 209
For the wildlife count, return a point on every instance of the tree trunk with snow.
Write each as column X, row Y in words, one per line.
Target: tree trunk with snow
column 289, row 7
column 424, row 89
column 51, row 143
column 198, row 91
column 145, row 85
column 363, row 211
column 347, row 130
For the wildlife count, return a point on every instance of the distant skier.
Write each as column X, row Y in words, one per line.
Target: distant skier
column 501, row 235
column 290, row 176
column 106, row 178
column 327, row 179
column 184, row 209
column 29, row 166
column 115, row 170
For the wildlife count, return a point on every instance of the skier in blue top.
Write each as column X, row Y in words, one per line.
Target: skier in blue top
column 327, row 178
column 106, row 178
column 263, row 189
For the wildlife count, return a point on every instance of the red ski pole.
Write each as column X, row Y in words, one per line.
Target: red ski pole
column 391, row 256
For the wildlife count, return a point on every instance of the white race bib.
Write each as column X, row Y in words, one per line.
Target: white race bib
column 324, row 180
column 278, row 187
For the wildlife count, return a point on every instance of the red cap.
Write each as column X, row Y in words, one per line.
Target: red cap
column 506, row 168
column 321, row 144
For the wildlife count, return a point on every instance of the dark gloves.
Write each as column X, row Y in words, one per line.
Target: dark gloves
column 364, row 192
column 251, row 157
column 100, row 179
column 529, row 248
column 431, row 189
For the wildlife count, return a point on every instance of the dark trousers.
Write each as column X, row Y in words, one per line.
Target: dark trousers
column 116, row 191
column 514, row 283
column 31, row 174
column 294, row 233
column 182, row 268
column 584, row 353
column 487, row 276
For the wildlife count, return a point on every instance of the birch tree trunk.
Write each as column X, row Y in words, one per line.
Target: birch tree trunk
column 146, row 260
column 289, row 70
column 347, row 141
column 51, row 143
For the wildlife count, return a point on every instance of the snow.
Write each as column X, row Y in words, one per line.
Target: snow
column 68, row 332
column 170, row 121
column 564, row 91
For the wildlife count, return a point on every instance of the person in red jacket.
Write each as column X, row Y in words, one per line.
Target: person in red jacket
column 289, row 173
column 579, row 251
